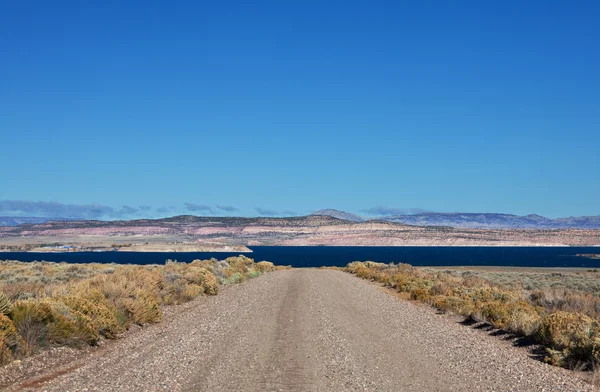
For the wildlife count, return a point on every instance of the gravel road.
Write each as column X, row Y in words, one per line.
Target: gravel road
column 308, row 330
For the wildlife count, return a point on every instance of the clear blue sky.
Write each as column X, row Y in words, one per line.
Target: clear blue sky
column 448, row 106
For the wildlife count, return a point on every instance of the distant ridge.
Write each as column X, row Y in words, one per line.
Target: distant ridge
column 471, row 220
column 328, row 216
column 339, row 215
column 494, row 221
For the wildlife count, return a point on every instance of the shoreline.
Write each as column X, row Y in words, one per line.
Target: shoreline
column 246, row 249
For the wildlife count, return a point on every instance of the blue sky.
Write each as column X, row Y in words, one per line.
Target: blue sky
column 272, row 107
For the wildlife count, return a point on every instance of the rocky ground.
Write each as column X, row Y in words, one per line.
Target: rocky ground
column 301, row 330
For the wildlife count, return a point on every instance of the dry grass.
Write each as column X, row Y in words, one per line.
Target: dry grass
column 576, row 279
column 46, row 304
column 565, row 320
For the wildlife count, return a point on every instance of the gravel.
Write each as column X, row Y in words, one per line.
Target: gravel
column 306, row 330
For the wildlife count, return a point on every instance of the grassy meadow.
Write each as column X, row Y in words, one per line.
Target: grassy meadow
column 560, row 310
column 44, row 304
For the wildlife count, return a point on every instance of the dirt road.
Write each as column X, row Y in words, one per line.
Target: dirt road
column 310, row 330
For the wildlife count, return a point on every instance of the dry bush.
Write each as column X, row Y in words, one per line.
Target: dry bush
column 92, row 310
column 24, row 290
column 10, row 341
column 44, row 304
column 561, row 299
column 264, row 266
column 440, row 288
column 237, row 265
column 32, row 320
column 560, row 329
column 474, row 281
column 564, row 320
column 524, row 319
column 203, row 278
column 143, row 307
column 455, row 304
column 573, row 339
column 5, row 304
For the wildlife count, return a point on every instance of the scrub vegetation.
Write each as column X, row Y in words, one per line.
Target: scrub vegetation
column 44, row 304
column 565, row 321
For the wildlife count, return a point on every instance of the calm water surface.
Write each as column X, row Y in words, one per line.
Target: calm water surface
column 316, row 256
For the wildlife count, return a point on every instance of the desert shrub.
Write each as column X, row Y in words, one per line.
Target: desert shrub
column 473, row 281
column 190, row 292
column 143, row 307
column 45, row 322
column 560, row 329
column 563, row 320
column 92, row 310
column 440, row 288
column 32, row 319
column 203, row 278
column 67, row 327
column 572, row 338
column 10, row 341
column 5, row 304
column 15, row 290
column 235, row 278
column 237, row 265
column 562, row 299
column 264, row 266
column 524, row 319
column 455, row 304
column 44, row 304
column 419, row 294
column 204, row 263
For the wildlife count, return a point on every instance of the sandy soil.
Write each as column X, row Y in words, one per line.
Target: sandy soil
column 307, row 330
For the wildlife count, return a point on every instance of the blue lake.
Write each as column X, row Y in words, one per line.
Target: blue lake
column 316, row 256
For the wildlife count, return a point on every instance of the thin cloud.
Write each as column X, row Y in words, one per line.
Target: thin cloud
column 382, row 210
column 268, row 212
column 227, row 208
column 145, row 208
column 127, row 210
column 53, row 209
column 165, row 209
column 198, row 207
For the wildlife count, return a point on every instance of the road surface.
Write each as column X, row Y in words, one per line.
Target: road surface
column 308, row 330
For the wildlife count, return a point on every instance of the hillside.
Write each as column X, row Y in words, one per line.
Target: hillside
column 220, row 232
column 340, row 215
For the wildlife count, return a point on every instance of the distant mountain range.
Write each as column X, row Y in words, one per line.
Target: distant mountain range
column 192, row 232
column 448, row 219
column 479, row 220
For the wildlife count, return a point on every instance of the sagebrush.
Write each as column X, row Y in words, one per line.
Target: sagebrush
column 45, row 304
column 563, row 320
